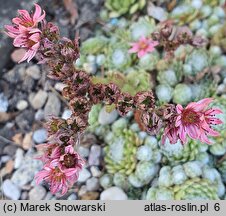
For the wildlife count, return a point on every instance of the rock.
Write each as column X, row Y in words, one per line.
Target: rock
column 16, row 75
column 92, row 184
column 66, row 114
column 27, row 141
column 25, row 119
column 5, row 158
column 17, row 55
column 3, row 103
column 29, row 167
column 7, row 169
column 73, row 196
column 83, row 151
column 18, row 138
column 52, row 106
column 113, row 193
column 39, row 115
column 39, row 99
column 82, row 190
column 84, row 175
column 34, row 72
column 24, row 196
column 90, row 196
column 95, row 171
column 10, row 150
column 11, row 190
column 18, row 158
column 94, row 156
column 28, row 84
column 22, row 105
column 59, row 86
column 106, row 118
column 40, row 135
column 37, row 193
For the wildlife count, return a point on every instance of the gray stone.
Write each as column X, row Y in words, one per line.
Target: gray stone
column 22, row 105
column 10, row 150
column 37, row 193
column 66, row 114
column 113, row 193
column 59, row 86
column 82, row 190
column 38, row 100
column 73, row 196
column 3, row 103
column 18, row 158
column 92, row 184
column 84, row 175
column 26, row 172
column 39, row 115
column 40, row 135
column 52, row 106
column 11, row 190
column 106, row 118
column 83, row 151
column 94, row 156
column 95, row 171
column 34, row 72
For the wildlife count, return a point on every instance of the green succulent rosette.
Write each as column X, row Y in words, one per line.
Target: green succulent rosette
column 189, row 181
column 178, row 153
column 120, row 154
column 195, row 189
column 118, row 8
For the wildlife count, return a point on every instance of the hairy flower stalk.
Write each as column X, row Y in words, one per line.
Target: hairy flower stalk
column 61, row 161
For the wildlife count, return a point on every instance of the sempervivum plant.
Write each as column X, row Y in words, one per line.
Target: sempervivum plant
column 117, row 7
column 62, row 163
column 177, row 153
column 188, row 181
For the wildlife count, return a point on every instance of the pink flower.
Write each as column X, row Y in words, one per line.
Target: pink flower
column 25, row 31
column 61, row 172
column 50, row 151
column 196, row 120
column 143, row 46
column 59, row 179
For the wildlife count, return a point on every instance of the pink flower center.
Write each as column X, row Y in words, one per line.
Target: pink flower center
column 189, row 117
column 57, row 175
column 143, row 45
column 69, row 161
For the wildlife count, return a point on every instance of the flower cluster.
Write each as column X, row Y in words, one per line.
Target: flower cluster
column 25, row 31
column 61, row 162
column 170, row 37
column 195, row 121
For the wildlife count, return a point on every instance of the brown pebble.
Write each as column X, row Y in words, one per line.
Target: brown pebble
column 27, row 141
column 17, row 55
column 90, row 196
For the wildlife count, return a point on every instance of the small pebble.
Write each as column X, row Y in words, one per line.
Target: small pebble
column 11, row 190
column 34, row 72
column 37, row 193
column 59, row 86
column 95, row 171
column 39, row 115
column 18, row 158
column 38, row 100
column 3, row 103
column 94, row 156
column 113, row 193
column 22, row 105
column 84, row 175
column 40, row 135
column 92, row 184
column 66, row 114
